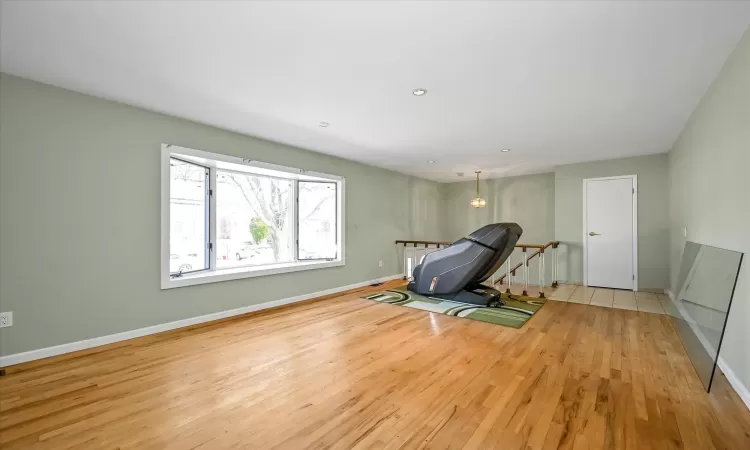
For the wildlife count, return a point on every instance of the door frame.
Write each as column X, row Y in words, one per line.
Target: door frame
column 635, row 227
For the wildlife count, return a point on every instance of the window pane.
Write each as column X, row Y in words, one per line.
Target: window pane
column 254, row 220
column 188, row 216
column 318, row 232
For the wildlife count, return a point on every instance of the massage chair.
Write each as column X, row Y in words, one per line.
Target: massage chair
column 457, row 272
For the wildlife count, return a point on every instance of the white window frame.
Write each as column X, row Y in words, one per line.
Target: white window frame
column 214, row 162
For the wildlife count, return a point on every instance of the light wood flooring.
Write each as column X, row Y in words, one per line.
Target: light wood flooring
column 351, row 373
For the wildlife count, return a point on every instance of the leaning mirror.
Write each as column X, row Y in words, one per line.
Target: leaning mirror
column 699, row 308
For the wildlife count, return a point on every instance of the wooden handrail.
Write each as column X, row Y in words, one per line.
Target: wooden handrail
column 405, row 242
column 539, row 250
column 537, row 246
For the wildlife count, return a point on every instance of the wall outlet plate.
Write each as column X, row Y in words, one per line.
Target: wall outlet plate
column 6, row 319
column 380, row 263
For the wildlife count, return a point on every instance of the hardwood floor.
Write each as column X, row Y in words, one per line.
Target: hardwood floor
column 351, row 373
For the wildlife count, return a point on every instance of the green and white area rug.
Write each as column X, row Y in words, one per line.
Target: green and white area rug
column 514, row 313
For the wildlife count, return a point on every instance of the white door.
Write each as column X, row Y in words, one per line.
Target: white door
column 610, row 237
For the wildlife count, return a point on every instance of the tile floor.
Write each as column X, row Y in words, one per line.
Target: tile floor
column 608, row 298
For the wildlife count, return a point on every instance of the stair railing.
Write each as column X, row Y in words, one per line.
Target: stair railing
column 509, row 278
column 415, row 251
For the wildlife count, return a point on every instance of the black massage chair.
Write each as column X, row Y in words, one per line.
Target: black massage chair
column 457, row 272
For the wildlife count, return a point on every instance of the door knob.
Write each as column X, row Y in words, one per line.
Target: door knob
column 594, row 234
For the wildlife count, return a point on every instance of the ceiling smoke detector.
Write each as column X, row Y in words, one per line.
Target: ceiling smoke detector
column 505, row 150
column 419, row 92
column 432, row 161
column 323, row 124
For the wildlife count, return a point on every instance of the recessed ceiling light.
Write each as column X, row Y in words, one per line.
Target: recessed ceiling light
column 432, row 161
column 505, row 150
column 419, row 92
column 323, row 124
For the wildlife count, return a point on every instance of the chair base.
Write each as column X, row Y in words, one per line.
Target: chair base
column 479, row 295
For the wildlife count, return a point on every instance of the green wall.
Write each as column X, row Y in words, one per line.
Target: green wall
column 653, row 217
column 427, row 221
column 80, row 218
column 550, row 206
column 528, row 200
column 709, row 190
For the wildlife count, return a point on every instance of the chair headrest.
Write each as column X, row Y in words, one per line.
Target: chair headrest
column 495, row 235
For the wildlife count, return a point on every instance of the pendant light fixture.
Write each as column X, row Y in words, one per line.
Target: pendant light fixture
column 477, row 202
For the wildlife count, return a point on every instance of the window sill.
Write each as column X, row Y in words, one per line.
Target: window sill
column 245, row 272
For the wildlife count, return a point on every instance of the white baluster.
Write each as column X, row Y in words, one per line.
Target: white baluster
column 507, row 275
column 556, row 267
column 407, row 252
column 403, row 260
column 541, row 274
column 412, row 261
column 525, row 273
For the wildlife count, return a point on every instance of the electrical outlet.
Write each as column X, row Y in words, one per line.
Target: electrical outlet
column 380, row 263
column 684, row 232
column 6, row 319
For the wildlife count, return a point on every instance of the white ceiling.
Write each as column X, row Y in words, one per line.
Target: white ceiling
column 557, row 82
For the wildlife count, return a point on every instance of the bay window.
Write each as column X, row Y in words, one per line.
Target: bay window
column 225, row 218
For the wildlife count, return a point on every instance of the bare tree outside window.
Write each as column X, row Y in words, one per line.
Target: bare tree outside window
column 270, row 200
column 254, row 218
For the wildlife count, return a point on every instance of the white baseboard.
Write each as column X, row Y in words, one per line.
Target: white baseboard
column 738, row 386
column 736, row 383
column 32, row 355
